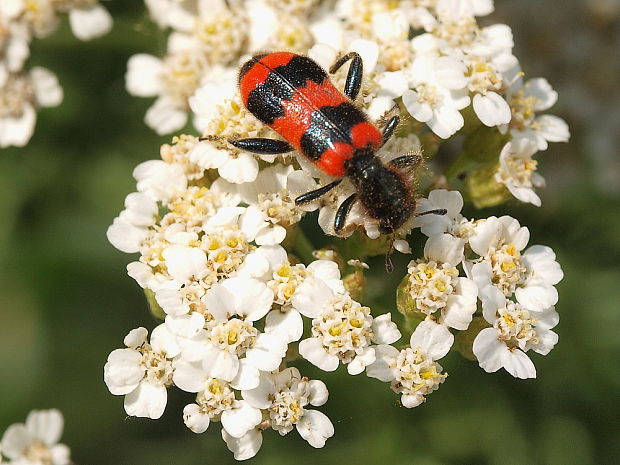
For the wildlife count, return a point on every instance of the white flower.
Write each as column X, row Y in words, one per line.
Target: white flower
column 218, row 85
column 229, row 340
column 131, row 226
column 143, row 371
column 173, row 79
column 36, row 441
column 517, row 170
column 20, row 96
column 160, row 180
column 435, row 284
column 342, row 330
column 271, row 206
column 217, row 401
column 452, row 222
column 285, row 397
column 413, row 372
column 292, row 285
column 438, row 93
column 531, row 277
column 515, row 331
column 525, row 100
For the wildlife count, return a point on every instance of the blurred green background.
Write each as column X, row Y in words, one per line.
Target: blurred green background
column 66, row 302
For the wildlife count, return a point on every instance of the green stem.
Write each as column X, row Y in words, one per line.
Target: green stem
column 303, row 247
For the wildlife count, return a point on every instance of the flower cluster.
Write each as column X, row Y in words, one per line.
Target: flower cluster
column 226, row 265
column 36, row 441
column 23, row 90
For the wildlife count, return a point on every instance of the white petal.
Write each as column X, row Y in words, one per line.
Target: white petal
column 243, row 168
column 420, row 111
column 444, row 248
column 148, row 400
column 136, row 337
column 518, row 364
column 287, row 325
column 15, row 441
column 260, row 396
column 143, row 75
column 18, row 131
column 544, row 93
column 245, row 447
column 252, row 298
column 315, row 428
column 194, row 419
column 451, row 72
column 123, row 371
column 240, row 419
column 318, row 392
column 540, row 262
column 312, row 350
column 547, row 341
column 385, row 330
column 61, row 455
column 357, row 365
column 46, row 87
column 433, row 338
column 446, row 121
column 461, row 305
column 384, row 357
column 488, row 350
column 185, row 262
column 189, row 376
column 125, row 236
column 271, row 235
column 45, row 425
column 267, row 352
column 411, row 400
column 220, row 364
column 164, row 342
column 311, row 297
column 486, row 234
column 88, row 23
column 537, row 297
column 247, row 377
column 492, row 109
column 165, row 116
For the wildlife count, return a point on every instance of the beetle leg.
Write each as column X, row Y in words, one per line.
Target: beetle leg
column 343, row 211
column 353, row 83
column 436, row 211
column 315, row 194
column 389, row 128
column 262, row 146
column 407, row 161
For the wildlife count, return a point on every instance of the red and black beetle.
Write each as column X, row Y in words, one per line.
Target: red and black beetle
column 294, row 96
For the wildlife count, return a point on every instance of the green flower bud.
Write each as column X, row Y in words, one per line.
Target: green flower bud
column 483, row 189
column 355, row 283
column 154, row 307
column 464, row 340
column 484, row 144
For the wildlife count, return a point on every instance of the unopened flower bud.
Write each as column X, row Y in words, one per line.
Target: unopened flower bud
column 465, row 339
column 484, row 190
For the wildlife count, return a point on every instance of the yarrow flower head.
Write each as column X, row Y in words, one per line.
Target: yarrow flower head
column 222, row 222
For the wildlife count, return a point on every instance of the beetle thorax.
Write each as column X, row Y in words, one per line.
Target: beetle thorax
column 381, row 189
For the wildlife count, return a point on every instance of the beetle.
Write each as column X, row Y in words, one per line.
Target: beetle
column 294, row 96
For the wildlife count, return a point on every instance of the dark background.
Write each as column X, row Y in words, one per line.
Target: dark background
column 66, row 302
